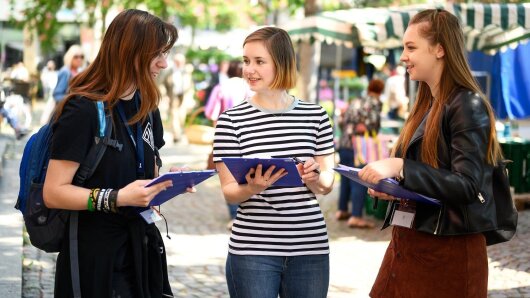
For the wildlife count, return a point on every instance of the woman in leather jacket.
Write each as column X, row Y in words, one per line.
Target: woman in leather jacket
column 447, row 150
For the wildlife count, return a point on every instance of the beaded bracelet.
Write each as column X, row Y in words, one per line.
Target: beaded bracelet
column 99, row 199
column 91, row 203
column 104, row 199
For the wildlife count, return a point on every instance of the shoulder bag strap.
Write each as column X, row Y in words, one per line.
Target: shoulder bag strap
column 85, row 171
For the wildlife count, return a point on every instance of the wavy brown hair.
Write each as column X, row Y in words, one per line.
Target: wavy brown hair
column 439, row 26
column 132, row 41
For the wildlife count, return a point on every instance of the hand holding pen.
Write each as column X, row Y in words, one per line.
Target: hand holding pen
column 309, row 169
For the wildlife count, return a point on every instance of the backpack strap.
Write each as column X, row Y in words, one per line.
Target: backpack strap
column 74, row 254
column 101, row 141
column 85, row 171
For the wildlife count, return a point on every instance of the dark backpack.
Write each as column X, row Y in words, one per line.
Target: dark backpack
column 504, row 206
column 47, row 227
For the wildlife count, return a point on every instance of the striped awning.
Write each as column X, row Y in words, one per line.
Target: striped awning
column 487, row 27
column 324, row 29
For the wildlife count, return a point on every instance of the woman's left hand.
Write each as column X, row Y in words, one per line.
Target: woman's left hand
column 381, row 169
column 182, row 169
column 380, row 195
column 308, row 170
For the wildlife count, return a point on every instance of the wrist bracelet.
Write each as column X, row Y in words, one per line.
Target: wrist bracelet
column 113, row 199
column 90, row 204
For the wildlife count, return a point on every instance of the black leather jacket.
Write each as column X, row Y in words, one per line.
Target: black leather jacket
column 463, row 180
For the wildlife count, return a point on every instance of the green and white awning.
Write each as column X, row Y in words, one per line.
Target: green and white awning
column 323, row 29
column 487, row 27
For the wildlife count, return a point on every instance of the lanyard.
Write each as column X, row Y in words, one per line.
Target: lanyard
column 138, row 143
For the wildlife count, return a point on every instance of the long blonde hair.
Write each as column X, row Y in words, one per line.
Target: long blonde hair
column 441, row 27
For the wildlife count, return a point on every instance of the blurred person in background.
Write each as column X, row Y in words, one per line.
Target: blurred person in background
column 48, row 79
column 229, row 92
column 14, row 99
column 179, row 88
column 73, row 63
column 363, row 116
column 395, row 96
column 19, row 72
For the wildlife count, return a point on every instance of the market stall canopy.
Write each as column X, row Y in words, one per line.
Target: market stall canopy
column 488, row 27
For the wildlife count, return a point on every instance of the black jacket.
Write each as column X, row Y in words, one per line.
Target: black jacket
column 463, row 180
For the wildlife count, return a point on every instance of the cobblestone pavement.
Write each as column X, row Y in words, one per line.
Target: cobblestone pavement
column 198, row 245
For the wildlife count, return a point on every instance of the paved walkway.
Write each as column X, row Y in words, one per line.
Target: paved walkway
column 198, row 245
column 10, row 223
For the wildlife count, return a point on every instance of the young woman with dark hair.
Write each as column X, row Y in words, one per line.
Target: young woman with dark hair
column 120, row 254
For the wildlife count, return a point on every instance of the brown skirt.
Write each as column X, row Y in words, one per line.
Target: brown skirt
column 420, row 265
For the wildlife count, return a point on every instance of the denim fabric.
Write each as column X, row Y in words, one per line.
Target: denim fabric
column 270, row 276
column 232, row 209
column 349, row 190
column 63, row 78
column 11, row 119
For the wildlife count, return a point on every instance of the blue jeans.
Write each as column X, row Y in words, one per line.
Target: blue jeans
column 232, row 209
column 11, row 119
column 270, row 276
column 349, row 190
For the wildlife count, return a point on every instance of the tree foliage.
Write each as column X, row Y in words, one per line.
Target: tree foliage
column 220, row 15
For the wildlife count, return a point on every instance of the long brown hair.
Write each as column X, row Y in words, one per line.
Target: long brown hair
column 132, row 41
column 441, row 27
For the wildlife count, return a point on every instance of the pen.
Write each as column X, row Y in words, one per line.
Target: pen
column 299, row 161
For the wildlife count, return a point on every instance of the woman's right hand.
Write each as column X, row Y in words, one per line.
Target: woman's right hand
column 136, row 194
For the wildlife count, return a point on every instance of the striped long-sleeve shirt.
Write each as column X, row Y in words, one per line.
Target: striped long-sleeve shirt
column 280, row 221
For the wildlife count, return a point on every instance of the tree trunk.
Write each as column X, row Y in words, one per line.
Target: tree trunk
column 309, row 59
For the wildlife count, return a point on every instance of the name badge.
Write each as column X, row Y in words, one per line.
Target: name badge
column 403, row 218
column 150, row 215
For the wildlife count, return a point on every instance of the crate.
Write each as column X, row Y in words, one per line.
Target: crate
column 379, row 212
column 518, row 151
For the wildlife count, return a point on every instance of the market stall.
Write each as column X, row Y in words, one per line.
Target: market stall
column 497, row 38
column 491, row 30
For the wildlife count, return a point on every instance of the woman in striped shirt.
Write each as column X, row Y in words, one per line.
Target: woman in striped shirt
column 279, row 243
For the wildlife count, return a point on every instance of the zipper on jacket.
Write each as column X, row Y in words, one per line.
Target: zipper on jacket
column 438, row 221
column 481, row 198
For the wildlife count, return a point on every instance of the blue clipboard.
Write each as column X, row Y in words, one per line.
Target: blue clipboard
column 388, row 186
column 239, row 167
column 181, row 181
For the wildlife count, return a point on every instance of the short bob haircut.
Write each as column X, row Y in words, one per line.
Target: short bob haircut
column 279, row 45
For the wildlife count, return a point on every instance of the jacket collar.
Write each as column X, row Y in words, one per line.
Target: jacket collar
column 420, row 131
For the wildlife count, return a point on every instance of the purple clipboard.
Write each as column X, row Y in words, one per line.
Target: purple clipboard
column 181, row 181
column 239, row 167
column 388, row 186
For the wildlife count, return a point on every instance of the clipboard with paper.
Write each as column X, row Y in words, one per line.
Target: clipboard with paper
column 388, row 186
column 181, row 181
column 239, row 167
